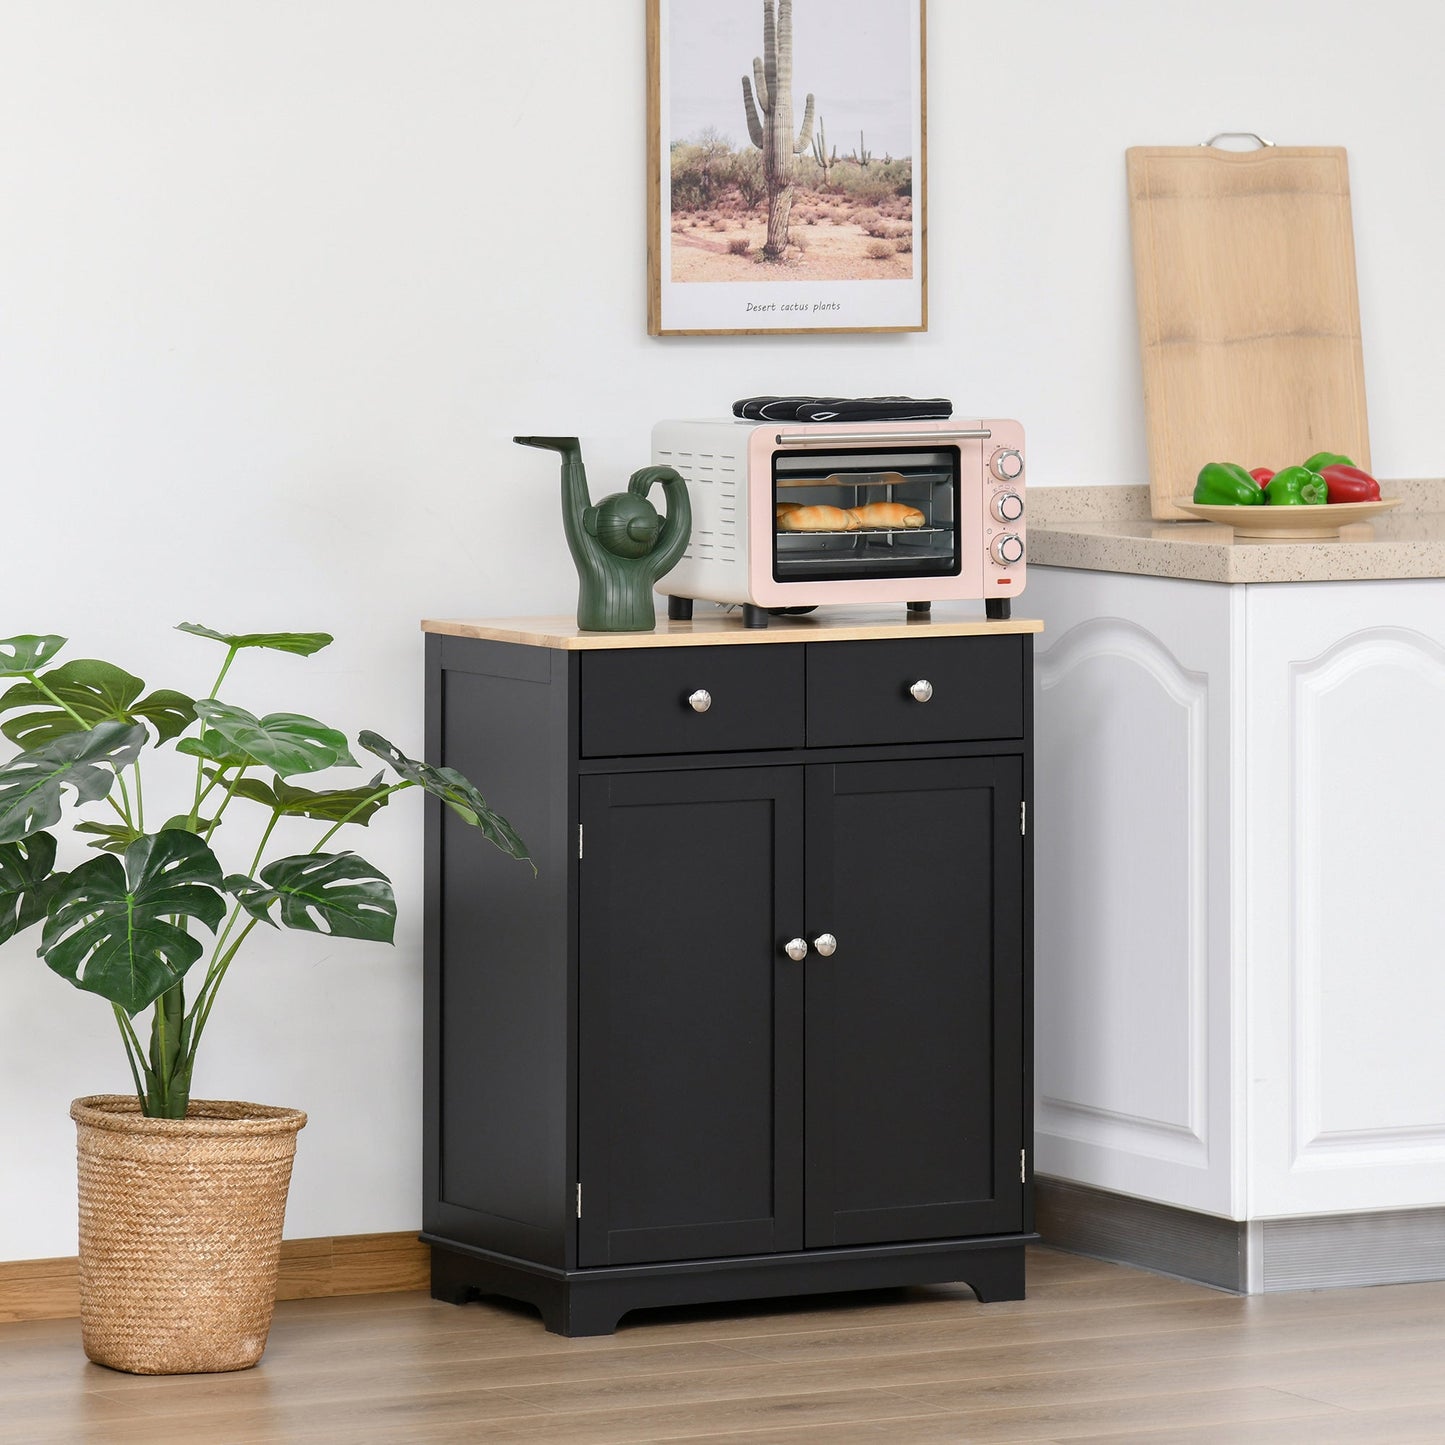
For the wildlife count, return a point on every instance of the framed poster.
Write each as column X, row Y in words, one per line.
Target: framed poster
column 786, row 166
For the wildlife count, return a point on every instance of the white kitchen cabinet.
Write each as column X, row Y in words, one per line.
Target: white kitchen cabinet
column 1133, row 697
column 1345, row 913
column 1240, row 892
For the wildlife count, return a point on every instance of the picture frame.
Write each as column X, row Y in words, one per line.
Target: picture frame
column 758, row 222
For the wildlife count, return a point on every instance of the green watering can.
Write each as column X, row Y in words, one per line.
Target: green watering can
column 620, row 545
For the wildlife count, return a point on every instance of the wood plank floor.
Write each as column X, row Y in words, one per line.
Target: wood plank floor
column 1097, row 1352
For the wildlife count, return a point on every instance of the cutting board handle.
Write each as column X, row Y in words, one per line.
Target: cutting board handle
column 1238, row 135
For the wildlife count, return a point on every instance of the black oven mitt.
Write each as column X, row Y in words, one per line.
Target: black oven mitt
column 842, row 408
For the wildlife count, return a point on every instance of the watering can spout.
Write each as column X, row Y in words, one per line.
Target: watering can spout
column 570, row 447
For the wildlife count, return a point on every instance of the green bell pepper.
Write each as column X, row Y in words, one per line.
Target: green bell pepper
column 1223, row 484
column 1321, row 460
column 1295, row 487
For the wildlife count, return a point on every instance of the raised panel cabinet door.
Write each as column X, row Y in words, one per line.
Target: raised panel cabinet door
column 689, row 1133
column 914, row 1116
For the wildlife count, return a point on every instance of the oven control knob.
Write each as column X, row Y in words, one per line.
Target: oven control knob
column 1007, row 464
column 1007, row 549
column 1007, row 506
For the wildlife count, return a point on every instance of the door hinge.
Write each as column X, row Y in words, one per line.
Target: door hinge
column 1023, row 1173
column 579, row 1201
column 1023, row 819
column 579, row 840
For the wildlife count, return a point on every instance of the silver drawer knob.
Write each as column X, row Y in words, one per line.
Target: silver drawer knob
column 922, row 690
column 700, row 701
column 796, row 949
column 826, row 944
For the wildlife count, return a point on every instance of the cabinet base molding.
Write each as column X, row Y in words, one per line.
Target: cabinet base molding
column 1396, row 1246
column 1161, row 1237
column 591, row 1301
column 1322, row 1251
column 49, row 1289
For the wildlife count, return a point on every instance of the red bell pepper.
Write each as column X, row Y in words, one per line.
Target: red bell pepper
column 1350, row 484
column 1262, row 474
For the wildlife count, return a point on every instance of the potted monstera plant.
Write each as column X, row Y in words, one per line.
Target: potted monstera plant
column 182, row 1200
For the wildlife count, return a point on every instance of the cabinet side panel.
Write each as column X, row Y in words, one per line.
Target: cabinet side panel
column 499, row 994
column 1026, row 996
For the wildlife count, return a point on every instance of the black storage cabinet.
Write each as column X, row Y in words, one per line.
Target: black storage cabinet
column 634, row 1095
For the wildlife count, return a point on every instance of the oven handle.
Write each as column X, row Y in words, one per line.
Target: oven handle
column 903, row 438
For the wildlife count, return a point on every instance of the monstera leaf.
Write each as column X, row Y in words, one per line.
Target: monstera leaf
column 111, row 928
column 331, row 805
column 335, row 893
column 301, row 643
column 285, row 742
column 117, row 837
column 27, row 653
column 455, row 790
column 111, row 837
column 26, row 882
column 91, row 692
column 30, row 784
column 184, row 823
column 214, row 749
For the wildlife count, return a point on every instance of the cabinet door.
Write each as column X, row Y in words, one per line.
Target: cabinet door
column 689, row 1133
column 914, row 1025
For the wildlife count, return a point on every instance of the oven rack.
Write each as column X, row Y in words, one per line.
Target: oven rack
column 844, row 560
column 868, row 532
column 866, row 479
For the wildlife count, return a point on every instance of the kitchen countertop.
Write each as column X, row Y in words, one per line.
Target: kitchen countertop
column 1108, row 529
column 710, row 629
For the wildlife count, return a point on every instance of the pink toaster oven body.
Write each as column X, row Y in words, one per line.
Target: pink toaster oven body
column 966, row 477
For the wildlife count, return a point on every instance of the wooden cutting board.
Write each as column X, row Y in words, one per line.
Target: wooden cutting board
column 1249, row 318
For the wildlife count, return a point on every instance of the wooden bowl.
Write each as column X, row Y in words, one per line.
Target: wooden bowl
column 1295, row 524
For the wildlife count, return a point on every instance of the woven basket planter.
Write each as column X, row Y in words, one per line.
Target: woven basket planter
column 180, row 1231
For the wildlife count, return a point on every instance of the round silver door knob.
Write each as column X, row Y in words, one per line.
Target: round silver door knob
column 700, row 701
column 921, row 690
column 826, row 944
column 796, row 949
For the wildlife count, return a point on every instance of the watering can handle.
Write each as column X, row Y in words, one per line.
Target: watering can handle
column 640, row 483
column 672, row 540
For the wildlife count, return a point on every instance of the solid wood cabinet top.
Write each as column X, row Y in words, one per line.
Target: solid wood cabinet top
column 825, row 625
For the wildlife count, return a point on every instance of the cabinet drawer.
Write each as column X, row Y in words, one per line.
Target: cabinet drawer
column 636, row 702
column 859, row 692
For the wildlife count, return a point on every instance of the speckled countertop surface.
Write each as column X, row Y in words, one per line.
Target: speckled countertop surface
column 1108, row 529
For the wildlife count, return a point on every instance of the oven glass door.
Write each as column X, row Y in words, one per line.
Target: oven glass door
column 855, row 514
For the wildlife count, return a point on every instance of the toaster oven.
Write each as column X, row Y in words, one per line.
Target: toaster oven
column 794, row 516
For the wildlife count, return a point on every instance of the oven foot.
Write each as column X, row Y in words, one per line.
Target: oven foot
column 754, row 616
column 920, row 609
column 679, row 609
column 996, row 609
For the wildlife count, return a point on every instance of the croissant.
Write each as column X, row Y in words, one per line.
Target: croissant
column 817, row 519
column 887, row 514
column 782, row 509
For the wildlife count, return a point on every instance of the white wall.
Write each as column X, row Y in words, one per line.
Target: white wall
column 280, row 280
